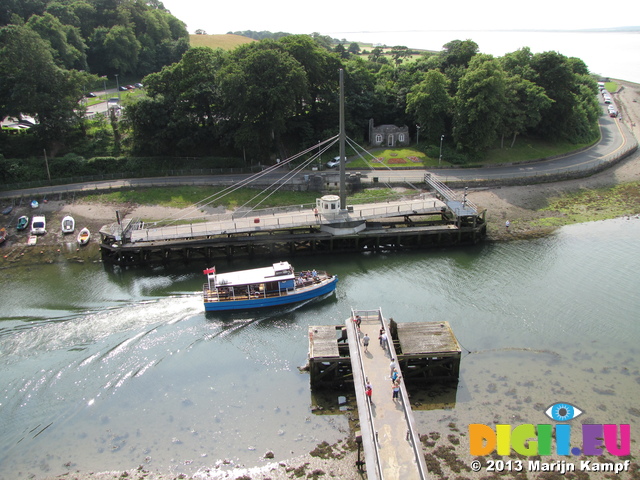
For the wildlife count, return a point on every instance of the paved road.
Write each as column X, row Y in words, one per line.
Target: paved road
column 616, row 139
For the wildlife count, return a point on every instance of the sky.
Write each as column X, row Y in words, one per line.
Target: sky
column 344, row 16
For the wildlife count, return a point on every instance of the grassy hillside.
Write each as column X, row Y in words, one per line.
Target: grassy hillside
column 226, row 42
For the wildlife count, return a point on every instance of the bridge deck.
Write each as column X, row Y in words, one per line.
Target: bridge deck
column 261, row 221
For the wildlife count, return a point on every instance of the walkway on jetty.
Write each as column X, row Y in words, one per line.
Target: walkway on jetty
column 391, row 445
column 227, row 224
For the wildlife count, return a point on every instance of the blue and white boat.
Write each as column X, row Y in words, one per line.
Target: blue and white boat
column 263, row 287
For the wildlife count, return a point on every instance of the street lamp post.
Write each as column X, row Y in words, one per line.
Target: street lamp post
column 104, row 84
column 417, row 134
column 440, row 159
column 118, row 87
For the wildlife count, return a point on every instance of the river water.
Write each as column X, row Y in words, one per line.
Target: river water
column 105, row 369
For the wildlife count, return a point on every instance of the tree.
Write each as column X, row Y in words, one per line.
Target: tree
column 32, row 84
column 65, row 41
column 571, row 115
column 182, row 110
column 479, row 104
column 431, row 105
column 354, row 48
column 122, row 49
column 376, row 54
column 523, row 104
column 262, row 86
column 399, row 53
column 341, row 51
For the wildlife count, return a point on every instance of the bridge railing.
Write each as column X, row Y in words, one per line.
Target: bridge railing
column 374, row 472
column 275, row 220
column 412, row 436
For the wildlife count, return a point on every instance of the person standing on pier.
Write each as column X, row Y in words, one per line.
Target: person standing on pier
column 392, row 367
column 369, row 391
column 396, row 390
column 365, row 342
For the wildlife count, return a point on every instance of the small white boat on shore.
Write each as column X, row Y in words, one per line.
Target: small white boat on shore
column 84, row 236
column 68, row 224
column 34, row 204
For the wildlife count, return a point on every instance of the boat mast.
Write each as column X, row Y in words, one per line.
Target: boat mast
column 342, row 138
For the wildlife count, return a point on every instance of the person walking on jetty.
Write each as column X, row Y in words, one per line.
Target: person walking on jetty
column 392, row 367
column 383, row 340
column 368, row 390
column 365, row 342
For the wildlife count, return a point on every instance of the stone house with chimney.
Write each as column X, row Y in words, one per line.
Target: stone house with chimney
column 388, row 135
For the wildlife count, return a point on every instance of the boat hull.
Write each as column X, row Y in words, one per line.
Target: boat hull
column 299, row 296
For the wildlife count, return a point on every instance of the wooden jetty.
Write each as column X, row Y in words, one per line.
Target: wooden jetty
column 426, row 352
column 336, row 356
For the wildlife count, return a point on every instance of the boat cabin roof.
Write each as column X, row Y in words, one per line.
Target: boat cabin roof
column 276, row 272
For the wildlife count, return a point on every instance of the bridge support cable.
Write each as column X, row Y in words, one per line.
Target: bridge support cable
column 324, row 146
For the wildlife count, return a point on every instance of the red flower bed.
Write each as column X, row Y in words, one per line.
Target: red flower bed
column 396, row 160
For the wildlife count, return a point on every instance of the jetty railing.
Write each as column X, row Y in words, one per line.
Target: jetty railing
column 406, row 406
column 284, row 220
column 372, row 454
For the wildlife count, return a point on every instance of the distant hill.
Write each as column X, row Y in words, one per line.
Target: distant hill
column 226, row 42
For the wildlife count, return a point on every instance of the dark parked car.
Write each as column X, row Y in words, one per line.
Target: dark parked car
column 90, row 95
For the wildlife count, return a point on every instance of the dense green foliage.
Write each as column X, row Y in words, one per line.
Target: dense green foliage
column 52, row 52
column 271, row 98
column 103, row 36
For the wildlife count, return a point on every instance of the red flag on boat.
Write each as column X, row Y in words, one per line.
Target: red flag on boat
column 209, row 270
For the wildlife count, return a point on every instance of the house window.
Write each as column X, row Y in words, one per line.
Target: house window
column 401, row 137
column 378, row 138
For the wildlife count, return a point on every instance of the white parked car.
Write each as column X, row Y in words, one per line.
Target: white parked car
column 38, row 225
column 333, row 163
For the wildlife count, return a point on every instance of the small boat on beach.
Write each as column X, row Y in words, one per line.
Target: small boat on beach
column 23, row 222
column 84, row 236
column 68, row 224
column 263, row 287
column 7, row 210
column 34, row 204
